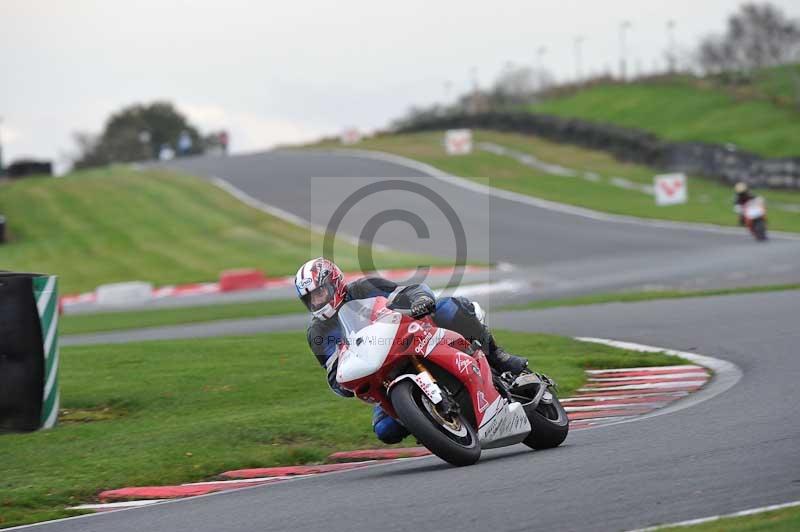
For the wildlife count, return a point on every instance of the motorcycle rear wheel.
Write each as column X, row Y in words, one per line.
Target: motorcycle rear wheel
column 454, row 439
column 549, row 425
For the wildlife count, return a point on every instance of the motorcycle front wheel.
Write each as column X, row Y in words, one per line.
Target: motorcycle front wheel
column 760, row 229
column 452, row 438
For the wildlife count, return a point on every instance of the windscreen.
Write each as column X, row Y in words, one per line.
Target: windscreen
column 359, row 313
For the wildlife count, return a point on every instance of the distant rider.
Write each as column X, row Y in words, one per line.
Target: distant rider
column 321, row 287
column 743, row 195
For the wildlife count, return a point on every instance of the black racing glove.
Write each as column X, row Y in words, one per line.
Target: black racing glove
column 331, row 365
column 422, row 306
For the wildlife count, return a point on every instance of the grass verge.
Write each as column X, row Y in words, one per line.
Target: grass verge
column 158, row 413
column 139, row 319
column 632, row 297
column 782, row 520
column 116, row 224
column 709, row 200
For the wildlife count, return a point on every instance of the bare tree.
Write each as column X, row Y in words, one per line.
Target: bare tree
column 758, row 36
column 518, row 85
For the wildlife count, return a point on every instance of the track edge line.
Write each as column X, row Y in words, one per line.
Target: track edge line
column 701, row 520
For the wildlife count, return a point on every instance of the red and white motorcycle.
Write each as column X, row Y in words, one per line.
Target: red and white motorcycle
column 441, row 387
column 754, row 214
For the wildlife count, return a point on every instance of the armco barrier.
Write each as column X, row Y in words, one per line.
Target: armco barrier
column 28, row 351
column 723, row 162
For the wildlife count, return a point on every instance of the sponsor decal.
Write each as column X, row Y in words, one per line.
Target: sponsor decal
column 507, row 423
column 483, row 404
column 428, row 387
column 463, row 362
column 422, row 343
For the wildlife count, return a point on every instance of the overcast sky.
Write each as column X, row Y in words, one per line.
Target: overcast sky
column 280, row 72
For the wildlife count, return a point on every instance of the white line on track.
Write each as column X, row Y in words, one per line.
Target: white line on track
column 115, row 505
column 243, row 480
column 694, row 375
column 617, row 397
column 654, row 404
column 743, row 513
column 651, row 386
column 646, row 368
column 594, row 422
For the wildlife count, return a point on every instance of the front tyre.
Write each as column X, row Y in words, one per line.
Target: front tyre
column 760, row 229
column 452, row 438
column 549, row 425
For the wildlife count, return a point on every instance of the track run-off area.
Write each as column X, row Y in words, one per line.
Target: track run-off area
column 730, row 451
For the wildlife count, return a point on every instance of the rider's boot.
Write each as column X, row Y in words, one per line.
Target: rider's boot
column 500, row 359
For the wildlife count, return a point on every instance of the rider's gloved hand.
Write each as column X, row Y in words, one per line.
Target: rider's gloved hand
column 422, row 306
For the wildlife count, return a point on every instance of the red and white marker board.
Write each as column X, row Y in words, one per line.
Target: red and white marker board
column 350, row 136
column 671, row 189
column 458, row 141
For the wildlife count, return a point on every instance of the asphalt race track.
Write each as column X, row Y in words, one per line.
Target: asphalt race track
column 735, row 451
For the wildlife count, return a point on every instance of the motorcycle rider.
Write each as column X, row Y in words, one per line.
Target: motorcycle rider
column 321, row 287
column 743, row 195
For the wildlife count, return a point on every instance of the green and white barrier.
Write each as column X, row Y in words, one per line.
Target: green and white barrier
column 45, row 290
column 29, row 357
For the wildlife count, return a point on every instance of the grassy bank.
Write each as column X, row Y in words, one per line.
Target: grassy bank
column 116, row 224
column 683, row 109
column 709, row 201
column 181, row 411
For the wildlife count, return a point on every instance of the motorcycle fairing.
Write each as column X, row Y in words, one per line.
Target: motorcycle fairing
column 508, row 426
column 367, row 351
column 498, row 421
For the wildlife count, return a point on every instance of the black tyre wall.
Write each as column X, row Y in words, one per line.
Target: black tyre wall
column 21, row 355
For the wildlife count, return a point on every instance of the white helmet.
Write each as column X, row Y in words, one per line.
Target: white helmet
column 321, row 287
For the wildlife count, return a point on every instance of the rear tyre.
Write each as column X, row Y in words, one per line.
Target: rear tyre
column 549, row 425
column 451, row 438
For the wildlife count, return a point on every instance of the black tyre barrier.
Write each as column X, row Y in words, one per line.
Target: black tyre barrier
column 723, row 162
column 28, row 351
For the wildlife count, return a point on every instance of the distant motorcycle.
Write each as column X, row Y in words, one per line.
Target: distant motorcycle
column 754, row 213
column 441, row 387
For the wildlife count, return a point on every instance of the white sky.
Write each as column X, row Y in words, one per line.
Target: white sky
column 287, row 71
